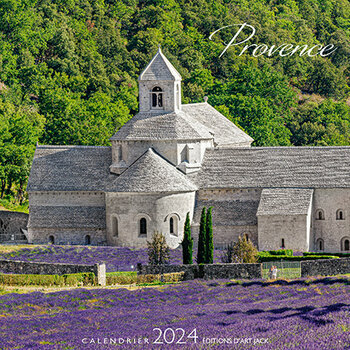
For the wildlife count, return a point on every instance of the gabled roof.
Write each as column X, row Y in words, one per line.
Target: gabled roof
column 225, row 132
column 151, row 173
column 285, row 201
column 159, row 68
column 70, row 168
column 271, row 167
column 162, row 126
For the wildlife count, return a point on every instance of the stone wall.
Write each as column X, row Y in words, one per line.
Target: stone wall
column 209, row 271
column 11, row 224
column 331, row 230
column 293, row 229
column 69, row 236
column 126, row 209
column 234, row 214
column 39, row 268
column 325, row 267
column 67, row 218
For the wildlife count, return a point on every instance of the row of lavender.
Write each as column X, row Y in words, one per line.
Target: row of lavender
column 278, row 315
column 115, row 258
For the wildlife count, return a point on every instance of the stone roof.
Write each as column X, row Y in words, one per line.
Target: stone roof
column 196, row 121
column 151, row 173
column 162, row 126
column 285, row 201
column 70, row 168
column 228, row 212
column 225, row 132
column 67, row 217
column 159, row 68
column 265, row 167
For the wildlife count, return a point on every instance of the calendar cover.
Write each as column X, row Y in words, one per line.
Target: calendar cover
column 174, row 174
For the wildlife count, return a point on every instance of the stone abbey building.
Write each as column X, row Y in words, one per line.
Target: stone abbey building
column 170, row 159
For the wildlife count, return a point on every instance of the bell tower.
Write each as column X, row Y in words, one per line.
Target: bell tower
column 159, row 86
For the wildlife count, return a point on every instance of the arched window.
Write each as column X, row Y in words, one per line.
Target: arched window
column 115, row 227
column 282, row 243
column 340, row 214
column 246, row 236
column 143, row 227
column 319, row 214
column 51, row 239
column 345, row 244
column 87, row 240
column 173, row 225
column 171, row 222
column 320, row 244
column 157, row 98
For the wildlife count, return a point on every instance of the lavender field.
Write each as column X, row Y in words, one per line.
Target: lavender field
column 277, row 315
column 116, row 258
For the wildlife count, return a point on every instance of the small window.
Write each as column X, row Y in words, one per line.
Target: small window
column 173, row 225
column 157, row 98
column 51, row 239
column 282, row 243
column 346, row 244
column 246, row 236
column 87, row 240
column 319, row 214
column 320, row 244
column 143, row 227
column 340, row 214
column 115, row 227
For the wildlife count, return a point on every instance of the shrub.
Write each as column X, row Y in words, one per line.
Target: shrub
column 161, row 278
column 48, row 280
column 288, row 252
column 227, row 256
column 341, row 255
column 265, row 257
column 121, row 278
column 241, row 251
column 158, row 250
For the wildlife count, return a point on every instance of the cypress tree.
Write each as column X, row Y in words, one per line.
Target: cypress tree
column 187, row 243
column 202, row 239
column 209, row 237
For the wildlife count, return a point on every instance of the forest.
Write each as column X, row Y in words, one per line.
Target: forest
column 69, row 68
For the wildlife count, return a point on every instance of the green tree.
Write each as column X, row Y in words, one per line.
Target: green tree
column 158, row 250
column 209, row 237
column 187, row 243
column 244, row 251
column 202, row 238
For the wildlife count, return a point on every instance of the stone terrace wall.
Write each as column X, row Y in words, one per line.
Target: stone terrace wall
column 209, row 271
column 38, row 268
column 325, row 267
column 11, row 223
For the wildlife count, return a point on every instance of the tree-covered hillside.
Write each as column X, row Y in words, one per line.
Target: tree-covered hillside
column 68, row 70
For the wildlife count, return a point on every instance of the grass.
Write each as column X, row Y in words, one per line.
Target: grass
column 289, row 273
column 122, row 273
